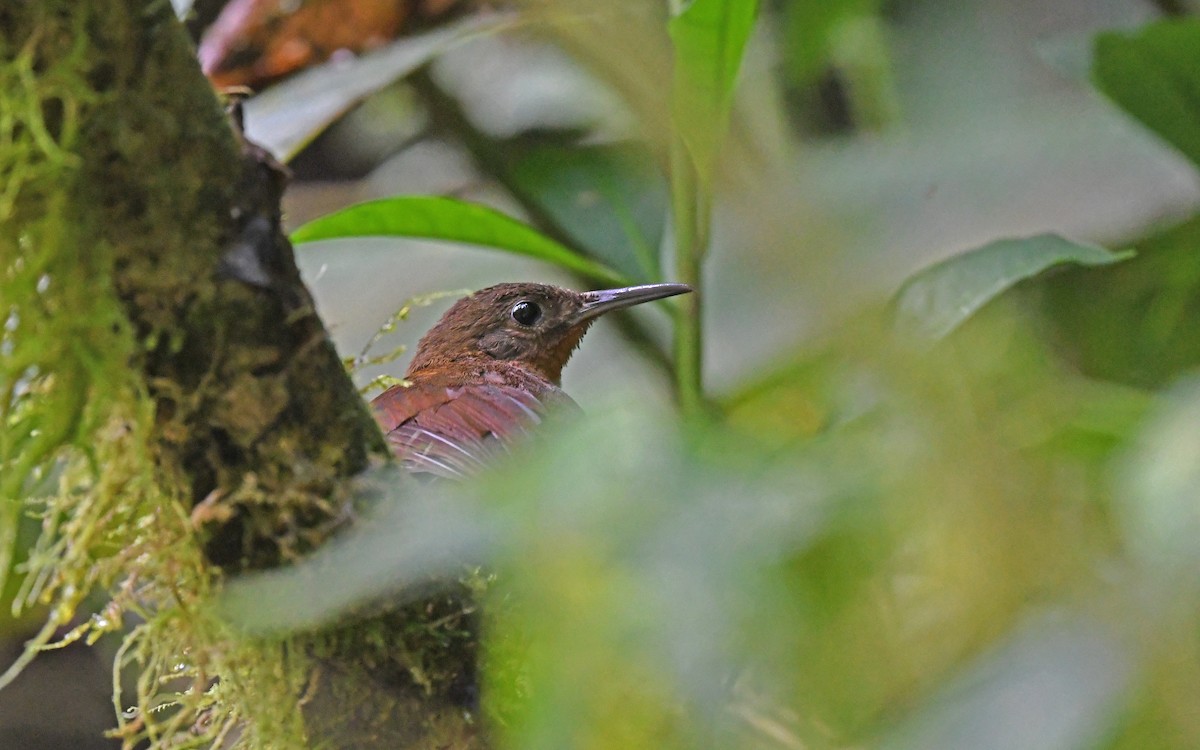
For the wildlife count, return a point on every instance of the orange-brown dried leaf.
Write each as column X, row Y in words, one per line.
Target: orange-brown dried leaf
column 254, row 42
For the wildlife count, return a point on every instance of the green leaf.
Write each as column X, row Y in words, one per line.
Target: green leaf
column 709, row 38
column 808, row 28
column 609, row 200
column 1144, row 334
column 436, row 218
column 287, row 117
column 1154, row 75
column 938, row 299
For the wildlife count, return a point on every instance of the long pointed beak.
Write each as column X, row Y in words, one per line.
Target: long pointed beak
column 606, row 300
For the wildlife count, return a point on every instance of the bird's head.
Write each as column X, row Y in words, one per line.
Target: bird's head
column 535, row 325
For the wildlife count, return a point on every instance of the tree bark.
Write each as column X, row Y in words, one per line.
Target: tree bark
column 255, row 418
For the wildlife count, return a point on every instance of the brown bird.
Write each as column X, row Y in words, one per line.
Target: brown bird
column 490, row 369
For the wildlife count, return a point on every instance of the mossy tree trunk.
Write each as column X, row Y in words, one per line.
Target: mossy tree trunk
column 147, row 210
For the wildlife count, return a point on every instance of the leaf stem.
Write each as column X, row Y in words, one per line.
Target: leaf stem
column 689, row 255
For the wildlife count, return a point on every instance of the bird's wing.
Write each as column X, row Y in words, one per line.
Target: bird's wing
column 454, row 431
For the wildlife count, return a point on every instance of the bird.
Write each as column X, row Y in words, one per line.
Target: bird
column 490, row 370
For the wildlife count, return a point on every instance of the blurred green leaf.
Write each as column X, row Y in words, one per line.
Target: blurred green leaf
column 1144, row 331
column 1057, row 684
column 407, row 544
column 709, row 38
column 808, row 26
column 1098, row 418
column 645, row 556
column 286, row 117
column 1160, row 482
column 1154, row 74
column 435, row 218
column 1070, row 53
column 930, row 305
column 800, row 399
column 610, row 200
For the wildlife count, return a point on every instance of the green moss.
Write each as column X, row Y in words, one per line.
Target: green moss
column 416, row 662
column 80, row 448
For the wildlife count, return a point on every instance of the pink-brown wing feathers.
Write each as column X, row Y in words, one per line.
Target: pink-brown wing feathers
column 454, row 431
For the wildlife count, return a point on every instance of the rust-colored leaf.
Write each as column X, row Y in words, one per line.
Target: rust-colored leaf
column 254, row 42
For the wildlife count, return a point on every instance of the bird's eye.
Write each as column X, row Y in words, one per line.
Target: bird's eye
column 526, row 313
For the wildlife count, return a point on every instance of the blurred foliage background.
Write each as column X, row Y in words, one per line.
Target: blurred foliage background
column 955, row 512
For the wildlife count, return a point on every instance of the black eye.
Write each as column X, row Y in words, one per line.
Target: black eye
column 526, row 313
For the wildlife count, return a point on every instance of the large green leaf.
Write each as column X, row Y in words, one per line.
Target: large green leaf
column 709, row 38
column 286, row 117
column 609, row 200
column 938, row 299
column 436, row 218
column 1154, row 74
column 1135, row 322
